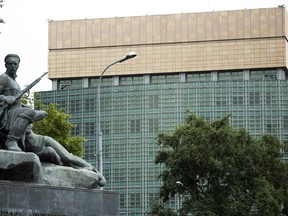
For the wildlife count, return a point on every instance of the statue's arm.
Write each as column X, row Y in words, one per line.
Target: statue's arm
column 68, row 158
column 7, row 99
column 2, row 97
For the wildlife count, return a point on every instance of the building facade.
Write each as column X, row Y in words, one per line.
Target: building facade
column 212, row 63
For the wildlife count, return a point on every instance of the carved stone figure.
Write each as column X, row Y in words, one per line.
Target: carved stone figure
column 49, row 150
column 17, row 136
column 14, row 116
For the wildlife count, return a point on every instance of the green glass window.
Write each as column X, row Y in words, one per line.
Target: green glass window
column 70, row 84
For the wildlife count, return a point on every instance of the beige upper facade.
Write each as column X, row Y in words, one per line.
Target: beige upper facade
column 187, row 42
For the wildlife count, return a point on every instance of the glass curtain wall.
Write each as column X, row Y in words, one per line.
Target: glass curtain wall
column 133, row 113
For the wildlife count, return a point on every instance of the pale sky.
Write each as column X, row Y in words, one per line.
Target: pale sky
column 26, row 30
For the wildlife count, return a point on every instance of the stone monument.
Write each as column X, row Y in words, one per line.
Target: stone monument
column 38, row 176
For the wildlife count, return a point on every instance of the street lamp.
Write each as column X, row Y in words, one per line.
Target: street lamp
column 182, row 185
column 99, row 131
column 179, row 183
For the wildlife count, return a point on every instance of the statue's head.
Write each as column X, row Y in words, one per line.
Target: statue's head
column 12, row 56
column 12, row 63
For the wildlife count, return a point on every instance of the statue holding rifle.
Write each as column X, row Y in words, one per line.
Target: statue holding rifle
column 14, row 117
column 16, row 135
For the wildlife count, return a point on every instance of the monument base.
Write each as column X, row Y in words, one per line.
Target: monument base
column 28, row 199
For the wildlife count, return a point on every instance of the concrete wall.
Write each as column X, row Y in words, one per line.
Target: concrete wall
column 40, row 200
column 187, row 42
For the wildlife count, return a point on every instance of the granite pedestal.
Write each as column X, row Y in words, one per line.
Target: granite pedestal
column 29, row 199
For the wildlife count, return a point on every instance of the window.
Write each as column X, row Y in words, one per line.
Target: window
column 153, row 101
column 238, row 100
column 69, row 84
column 192, row 77
column 125, row 80
column 135, row 126
column 135, row 200
column 165, row 78
column 106, row 81
column 263, row 75
column 205, row 77
column 254, row 98
column 89, row 128
column 236, row 75
column 89, row 105
column 153, row 125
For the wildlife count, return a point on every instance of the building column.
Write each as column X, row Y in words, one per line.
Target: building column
column 85, row 82
column 146, row 79
column 54, row 85
column 246, row 74
column 115, row 80
column 182, row 77
column 281, row 74
column 214, row 76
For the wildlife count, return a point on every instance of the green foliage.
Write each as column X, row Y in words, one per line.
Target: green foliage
column 224, row 171
column 159, row 209
column 56, row 125
column 1, row 5
column 28, row 99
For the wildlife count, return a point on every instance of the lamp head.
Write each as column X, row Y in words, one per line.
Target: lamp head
column 128, row 56
column 179, row 183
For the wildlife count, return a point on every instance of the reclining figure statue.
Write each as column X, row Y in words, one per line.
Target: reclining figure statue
column 49, row 150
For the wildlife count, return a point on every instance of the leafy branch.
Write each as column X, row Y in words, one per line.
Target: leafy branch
column 1, row 5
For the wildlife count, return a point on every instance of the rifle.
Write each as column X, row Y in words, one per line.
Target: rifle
column 5, row 108
column 18, row 97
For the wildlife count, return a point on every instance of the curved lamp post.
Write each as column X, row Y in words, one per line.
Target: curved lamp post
column 182, row 185
column 179, row 183
column 99, row 131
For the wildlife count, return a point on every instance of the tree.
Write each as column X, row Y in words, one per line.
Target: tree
column 56, row 125
column 224, row 171
column 160, row 209
column 28, row 99
column 1, row 5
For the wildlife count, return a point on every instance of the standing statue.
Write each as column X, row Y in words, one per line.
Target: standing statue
column 14, row 117
column 16, row 134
